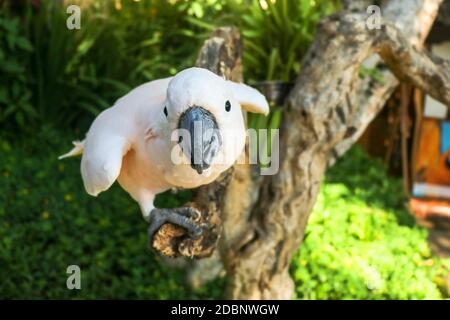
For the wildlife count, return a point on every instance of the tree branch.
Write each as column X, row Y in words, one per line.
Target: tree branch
column 221, row 54
column 413, row 65
column 415, row 19
column 356, row 5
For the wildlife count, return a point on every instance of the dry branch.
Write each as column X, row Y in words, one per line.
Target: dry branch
column 222, row 54
column 411, row 64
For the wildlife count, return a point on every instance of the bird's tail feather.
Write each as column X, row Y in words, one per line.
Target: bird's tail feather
column 76, row 151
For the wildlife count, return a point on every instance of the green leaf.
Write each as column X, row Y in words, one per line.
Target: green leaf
column 24, row 44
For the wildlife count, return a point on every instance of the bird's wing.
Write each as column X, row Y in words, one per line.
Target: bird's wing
column 108, row 139
column 249, row 98
column 106, row 143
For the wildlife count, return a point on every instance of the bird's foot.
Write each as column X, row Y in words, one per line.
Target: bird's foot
column 183, row 217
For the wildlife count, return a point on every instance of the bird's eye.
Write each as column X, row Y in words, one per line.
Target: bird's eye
column 227, row 106
column 165, row 110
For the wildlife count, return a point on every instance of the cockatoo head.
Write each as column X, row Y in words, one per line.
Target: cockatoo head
column 205, row 111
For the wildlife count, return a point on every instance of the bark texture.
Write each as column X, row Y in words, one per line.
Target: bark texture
column 328, row 109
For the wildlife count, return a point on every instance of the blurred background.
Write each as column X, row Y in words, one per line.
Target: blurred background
column 366, row 238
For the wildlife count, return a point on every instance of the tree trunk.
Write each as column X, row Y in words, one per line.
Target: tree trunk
column 328, row 109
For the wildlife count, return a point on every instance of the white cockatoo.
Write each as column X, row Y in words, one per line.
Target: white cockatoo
column 177, row 132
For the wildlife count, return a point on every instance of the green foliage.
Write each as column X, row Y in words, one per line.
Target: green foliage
column 75, row 74
column 15, row 95
column 72, row 75
column 47, row 222
column 277, row 34
column 361, row 243
column 371, row 72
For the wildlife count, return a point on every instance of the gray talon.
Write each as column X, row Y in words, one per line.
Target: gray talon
column 177, row 216
column 188, row 212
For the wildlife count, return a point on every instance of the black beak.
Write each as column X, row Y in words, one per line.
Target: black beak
column 199, row 137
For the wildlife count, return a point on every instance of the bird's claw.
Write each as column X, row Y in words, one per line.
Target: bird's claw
column 182, row 217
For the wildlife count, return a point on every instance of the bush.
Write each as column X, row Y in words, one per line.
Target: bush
column 15, row 94
column 276, row 34
column 361, row 243
column 75, row 74
column 48, row 222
